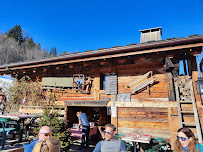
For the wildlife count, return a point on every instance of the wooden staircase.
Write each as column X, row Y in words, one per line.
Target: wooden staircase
column 142, row 82
column 192, row 112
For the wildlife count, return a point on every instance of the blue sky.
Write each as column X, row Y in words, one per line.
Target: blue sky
column 79, row 25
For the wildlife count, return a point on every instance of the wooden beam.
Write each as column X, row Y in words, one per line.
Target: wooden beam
column 109, row 56
column 114, row 120
column 185, row 68
column 171, row 127
column 195, row 78
column 171, row 92
column 159, row 104
column 189, row 67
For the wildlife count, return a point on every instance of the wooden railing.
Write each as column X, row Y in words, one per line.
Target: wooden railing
column 38, row 110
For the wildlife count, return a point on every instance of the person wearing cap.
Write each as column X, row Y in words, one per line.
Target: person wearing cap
column 44, row 133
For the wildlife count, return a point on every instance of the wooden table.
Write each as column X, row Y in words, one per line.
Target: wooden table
column 78, row 132
column 19, row 119
column 137, row 139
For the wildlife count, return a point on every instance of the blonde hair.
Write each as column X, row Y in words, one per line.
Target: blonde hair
column 51, row 144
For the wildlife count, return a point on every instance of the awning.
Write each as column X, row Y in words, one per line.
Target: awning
column 88, row 103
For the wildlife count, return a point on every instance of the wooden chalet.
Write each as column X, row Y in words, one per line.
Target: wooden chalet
column 139, row 82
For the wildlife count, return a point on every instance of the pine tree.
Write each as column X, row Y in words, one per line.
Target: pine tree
column 59, row 54
column 59, row 128
column 16, row 33
column 31, row 43
column 65, row 53
column 53, row 51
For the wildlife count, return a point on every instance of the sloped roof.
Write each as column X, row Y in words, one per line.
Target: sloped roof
column 117, row 51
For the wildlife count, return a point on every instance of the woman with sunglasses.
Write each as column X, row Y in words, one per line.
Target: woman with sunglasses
column 186, row 141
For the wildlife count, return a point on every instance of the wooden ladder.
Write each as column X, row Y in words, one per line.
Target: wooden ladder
column 142, row 82
column 194, row 112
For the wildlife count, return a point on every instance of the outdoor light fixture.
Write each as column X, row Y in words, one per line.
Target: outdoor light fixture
column 199, row 85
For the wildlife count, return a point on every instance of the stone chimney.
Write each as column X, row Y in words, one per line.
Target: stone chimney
column 153, row 34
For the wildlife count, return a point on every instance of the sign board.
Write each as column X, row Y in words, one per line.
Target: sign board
column 108, row 111
column 57, row 81
column 123, row 97
column 111, row 83
column 98, row 103
column 113, row 110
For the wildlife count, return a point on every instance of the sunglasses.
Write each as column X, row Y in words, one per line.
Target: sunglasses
column 107, row 132
column 46, row 134
column 182, row 138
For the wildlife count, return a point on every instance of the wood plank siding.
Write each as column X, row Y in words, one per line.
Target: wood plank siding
column 153, row 121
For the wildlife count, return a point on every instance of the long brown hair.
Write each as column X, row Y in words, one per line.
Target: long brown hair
column 192, row 143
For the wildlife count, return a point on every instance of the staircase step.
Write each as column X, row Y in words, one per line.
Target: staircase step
column 187, row 111
column 189, row 123
column 185, row 102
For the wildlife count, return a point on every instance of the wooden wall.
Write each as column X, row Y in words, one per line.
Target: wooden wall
column 153, row 121
column 158, row 90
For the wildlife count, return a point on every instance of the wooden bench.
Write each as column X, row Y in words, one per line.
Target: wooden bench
column 5, row 131
column 21, row 149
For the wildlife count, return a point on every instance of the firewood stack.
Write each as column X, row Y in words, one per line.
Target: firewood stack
column 184, row 84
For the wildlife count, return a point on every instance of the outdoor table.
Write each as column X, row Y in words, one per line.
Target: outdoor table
column 19, row 119
column 137, row 139
column 76, row 132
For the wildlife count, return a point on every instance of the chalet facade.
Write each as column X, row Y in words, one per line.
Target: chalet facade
column 136, row 81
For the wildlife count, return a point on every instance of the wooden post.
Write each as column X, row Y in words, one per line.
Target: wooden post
column 171, row 94
column 171, row 128
column 195, row 78
column 66, row 117
column 189, row 67
column 114, row 120
column 185, row 68
column 96, row 88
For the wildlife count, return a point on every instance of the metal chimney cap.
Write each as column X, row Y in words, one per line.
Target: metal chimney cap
column 152, row 29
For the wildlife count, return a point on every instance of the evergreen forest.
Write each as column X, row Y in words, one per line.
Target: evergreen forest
column 16, row 46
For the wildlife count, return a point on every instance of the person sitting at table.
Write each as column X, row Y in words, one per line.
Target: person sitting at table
column 51, row 144
column 84, row 124
column 110, row 144
column 186, row 141
column 44, row 133
column 2, row 103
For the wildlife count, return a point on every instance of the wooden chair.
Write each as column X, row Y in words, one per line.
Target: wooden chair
column 159, row 146
column 29, row 127
column 119, row 137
